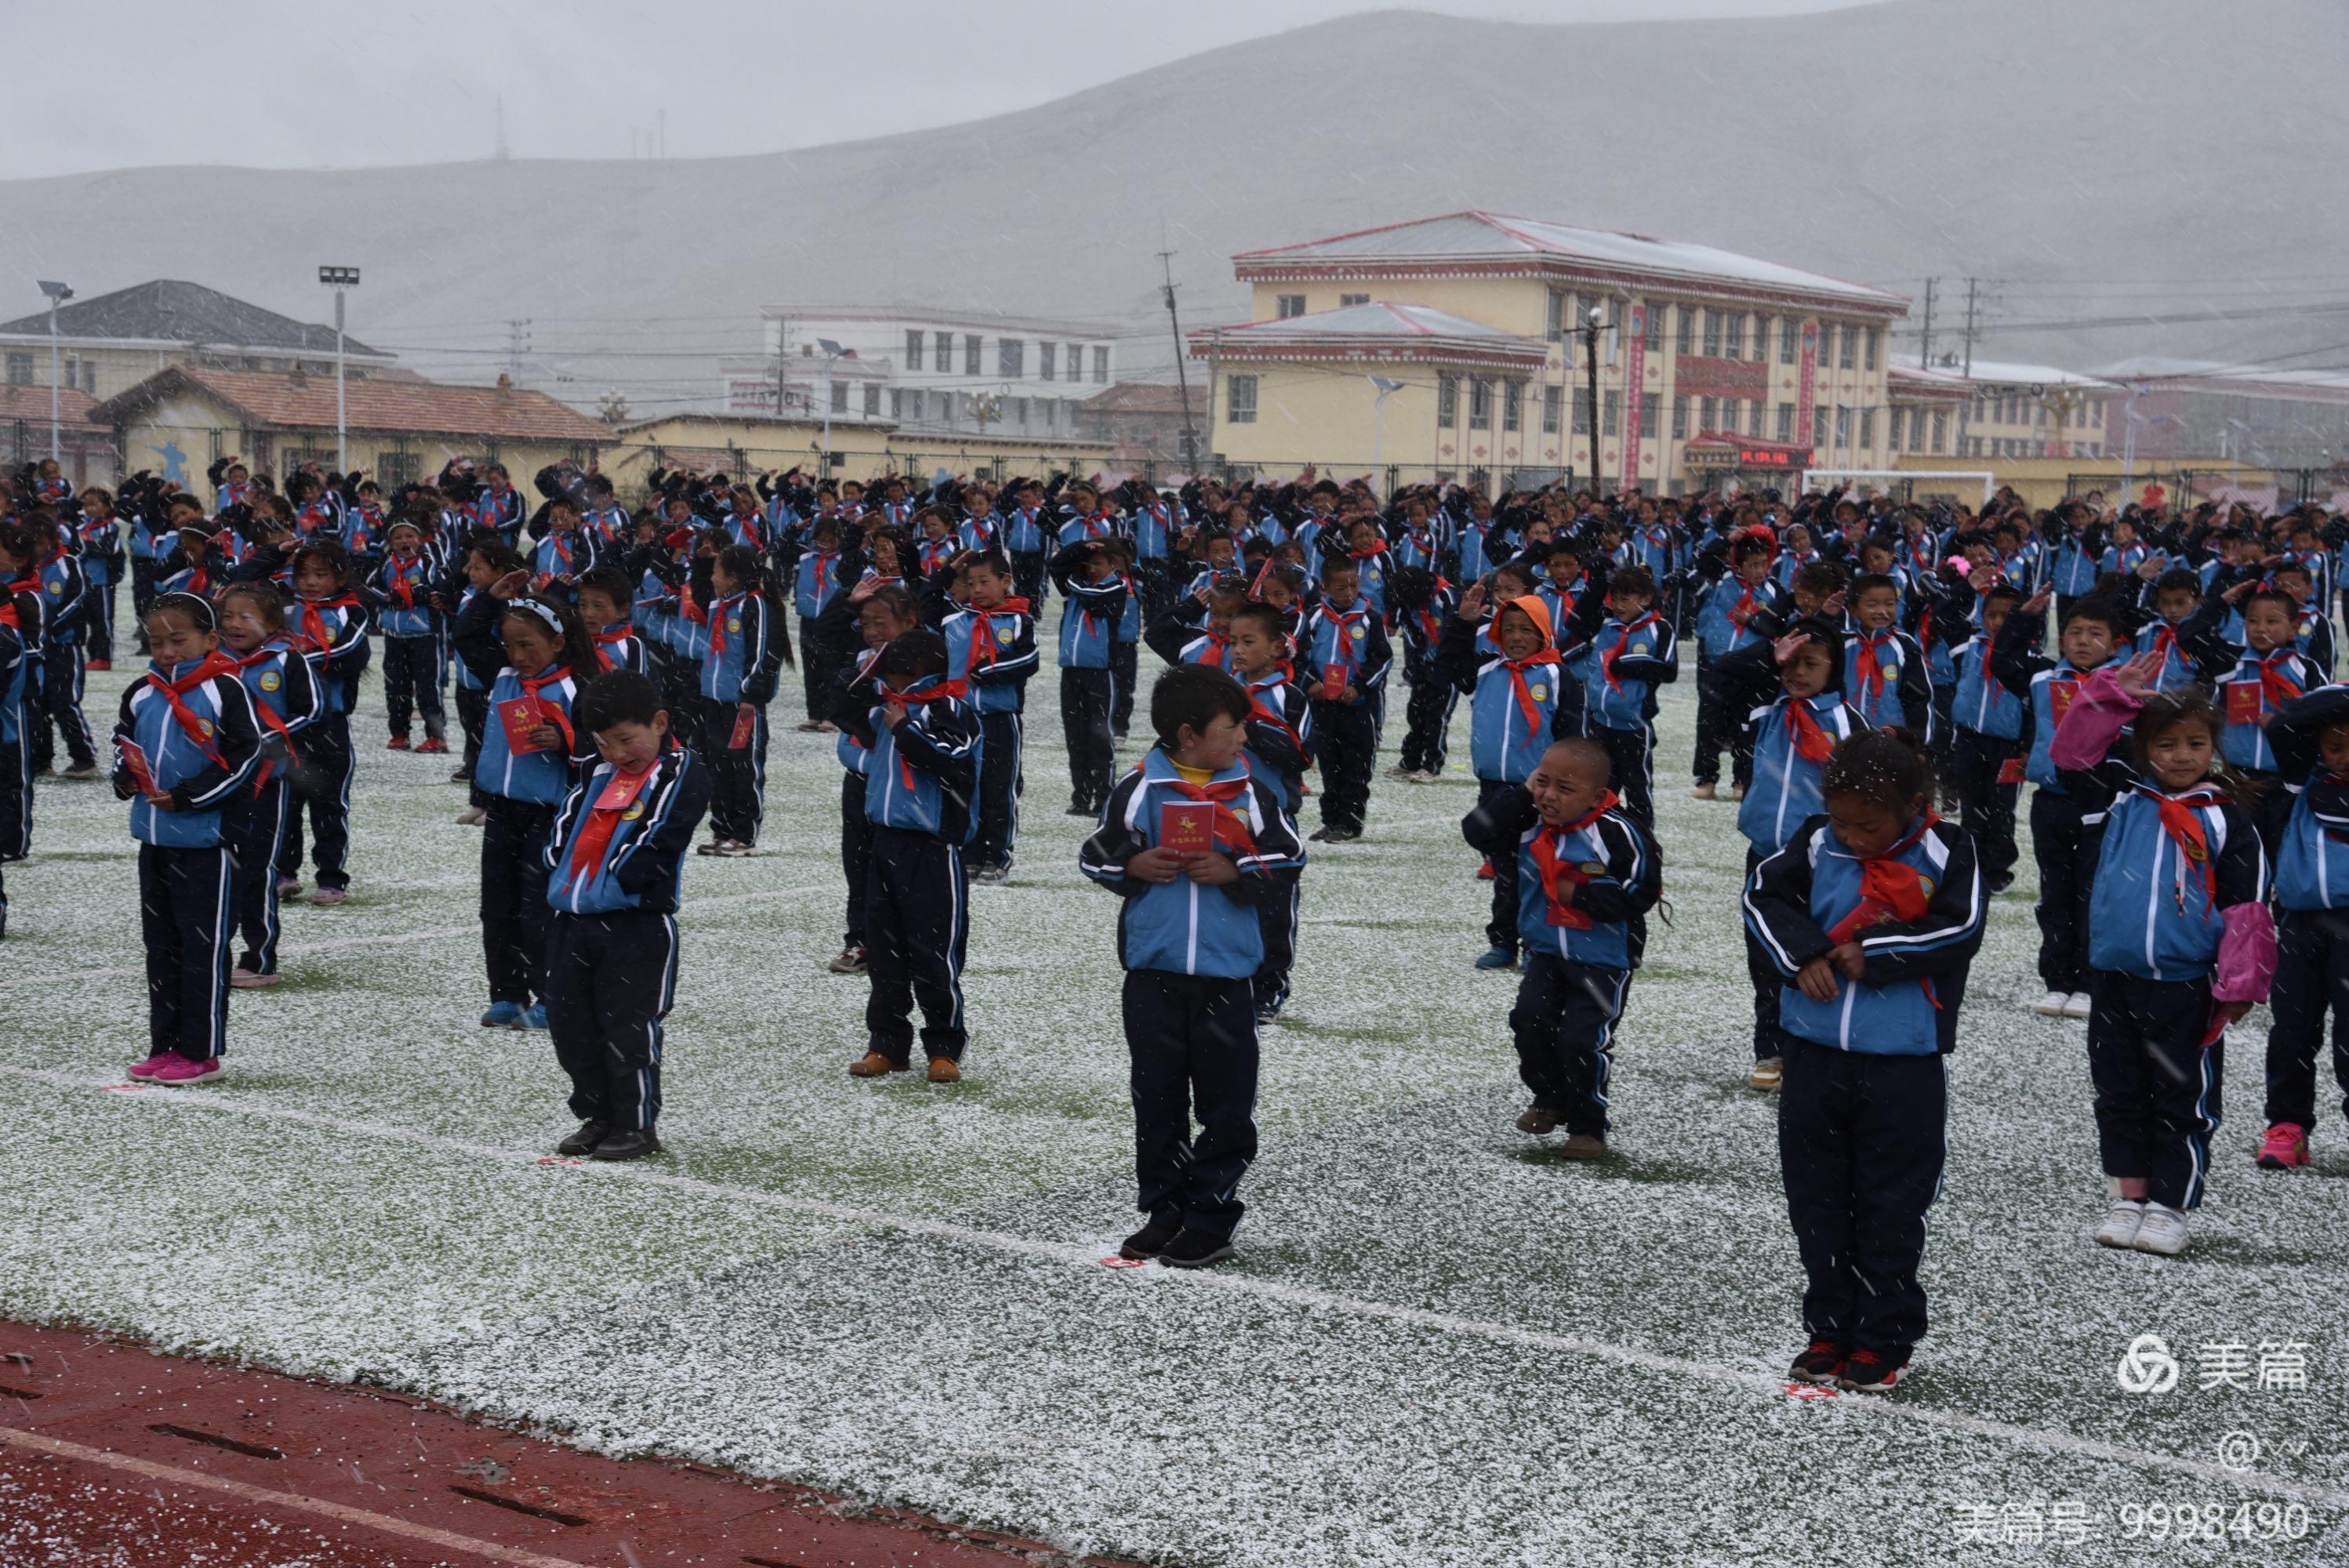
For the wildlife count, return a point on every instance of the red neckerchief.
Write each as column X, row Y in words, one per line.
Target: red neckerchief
column 603, row 820
column 1607, row 660
column 268, row 715
column 1259, row 712
column 1554, row 868
column 941, row 692
column 611, row 636
column 313, row 624
column 401, row 588
column 1921, row 551
column 2183, row 829
column 1811, row 738
column 2165, row 640
column 1347, row 621
column 562, row 545
column 1231, row 831
column 717, row 619
column 1871, row 668
column 824, row 560
column 1374, row 550
column 532, row 684
column 1517, row 687
column 981, row 653
column 2277, row 685
column 1431, row 625
column 749, row 523
column 1218, row 655
column 1747, row 599
column 192, row 723
column 1889, row 889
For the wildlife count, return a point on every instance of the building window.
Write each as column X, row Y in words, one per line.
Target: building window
column 1787, row 423
column 20, row 370
column 897, row 402
column 1010, row 357
column 1680, row 412
column 1844, row 346
column 1347, row 302
column 1581, row 411
column 1705, row 409
column 1753, row 419
column 1712, row 333
column 1513, row 405
column 1239, row 400
column 1762, row 339
column 872, row 399
column 1019, row 412
column 914, row 349
column 390, row 468
column 1288, row 306
column 1480, row 403
column 1843, row 426
column 1940, row 430
column 1100, row 367
column 1871, row 347
column 1893, row 432
column 1651, row 413
column 1550, row 410
column 1555, row 326
column 1729, row 407
column 1686, row 342
column 1790, row 334
column 1447, row 402
column 1048, row 361
column 942, row 352
column 1612, row 412
column 840, row 396
column 970, row 353
column 1051, row 413
column 1733, row 336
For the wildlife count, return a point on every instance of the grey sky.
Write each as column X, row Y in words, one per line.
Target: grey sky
column 333, row 84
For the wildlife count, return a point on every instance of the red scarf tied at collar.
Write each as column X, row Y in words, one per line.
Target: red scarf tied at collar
column 1260, row 712
column 314, row 624
column 1811, row 738
column 1555, row 869
column 1607, row 660
column 1871, row 668
column 2182, row 824
column 942, row 691
column 532, row 684
column 981, row 654
column 620, row 793
column 193, row 725
column 1231, row 831
column 2277, row 685
column 1889, row 888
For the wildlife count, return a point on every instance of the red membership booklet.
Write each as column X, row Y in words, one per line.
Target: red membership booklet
column 1187, row 827
column 134, row 759
column 1333, row 681
column 2243, row 702
column 519, row 716
column 745, row 722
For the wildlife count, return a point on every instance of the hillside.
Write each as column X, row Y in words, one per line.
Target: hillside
column 2077, row 150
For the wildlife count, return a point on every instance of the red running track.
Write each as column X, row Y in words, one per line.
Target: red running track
column 113, row 1456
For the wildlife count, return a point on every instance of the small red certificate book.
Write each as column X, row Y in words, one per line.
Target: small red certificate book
column 744, row 723
column 2243, row 701
column 134, row 757
column 519, row 716
column 1187, row 827
column 1333, row 681
column 2059, row 697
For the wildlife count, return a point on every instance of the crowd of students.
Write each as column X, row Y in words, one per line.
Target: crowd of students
column 1867, row 663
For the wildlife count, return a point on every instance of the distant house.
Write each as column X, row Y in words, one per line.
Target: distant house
column 110, row 343
column 1142, row 421
column 85, row 450
column 178, row 421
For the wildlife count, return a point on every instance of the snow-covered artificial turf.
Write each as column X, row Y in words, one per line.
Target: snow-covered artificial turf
column 1440, row 1345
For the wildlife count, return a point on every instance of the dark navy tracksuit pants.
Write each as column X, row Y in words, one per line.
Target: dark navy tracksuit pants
column 411, row 683
column 610, row 979
column 999, row 789
column 2066, row 848
column 56, row 700
column 514, row 915
column 1564, row 1024
column 2157, row 1085
column 1347, row 738
column 738, row 774
column 1631, row 753
column 254, row 826
column 322, row 789
column 1861, row 1148
column 1987, row 806
column 856, row 849
column 184, row 896
column 1276, row 922
column 1125, row 669
column 1085, row 698
column 1769, row 1039
column 2311, row 973
column 1193, row 1044
column 1427, row 722
column 1718, row 726
column 1500, row 928
column 916, row 921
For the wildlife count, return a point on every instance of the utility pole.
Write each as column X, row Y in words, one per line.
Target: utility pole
column 1588, row 332
column 340, row 279
column 1973, row 287
column 58, row 293
column 1182, row 375
column 1925, row 355
column 517, row 341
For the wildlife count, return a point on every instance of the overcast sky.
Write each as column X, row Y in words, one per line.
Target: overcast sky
column 333, row 84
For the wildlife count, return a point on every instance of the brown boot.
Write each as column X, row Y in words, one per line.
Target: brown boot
column 1583, row 1146
column 944, row 1070
column 873, row 1064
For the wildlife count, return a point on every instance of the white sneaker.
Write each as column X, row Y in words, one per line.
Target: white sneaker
column 2052, row 1005
column 2163, row 1231
column 2120, row 1224
column 2077, row 1008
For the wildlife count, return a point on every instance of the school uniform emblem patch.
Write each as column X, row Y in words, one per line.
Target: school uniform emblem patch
column 271, row 680
column 204, row 726
column 1539, row 693
column 733, row 623
column 1593, row 868
column 1003, row 634
column 57, row 587
column 634, row 810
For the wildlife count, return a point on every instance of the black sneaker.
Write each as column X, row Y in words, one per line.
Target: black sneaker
column 628, row 1143
column 583, row 1141
column 1339, row 835
column 1151, row 1240
column 1822, row 1361
column 1319, row 835
column 461, row 775
column 1196, row 1249
column 1872, row 1371
column 1078, row 809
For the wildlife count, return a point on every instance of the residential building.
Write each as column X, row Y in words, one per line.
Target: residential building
column 861, row 449
column 86, row 451
column 2263, row 414
column 2004, row 410
column 1712, row 365
column 111, row 341
column 1144, row 421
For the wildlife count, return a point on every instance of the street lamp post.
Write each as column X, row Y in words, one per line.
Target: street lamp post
column 58, row 293
column 1590, row 335
column 339, row 279
column 832, row 354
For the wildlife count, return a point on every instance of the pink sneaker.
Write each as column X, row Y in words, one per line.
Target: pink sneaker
column 252, row 980
column 177, row 1070
column 328, row 897
column 2285, row 1146
column 145, row 1069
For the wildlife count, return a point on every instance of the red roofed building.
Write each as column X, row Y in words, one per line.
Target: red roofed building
column 85, row 450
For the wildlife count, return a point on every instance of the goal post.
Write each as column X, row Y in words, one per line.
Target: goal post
column 1819, row 479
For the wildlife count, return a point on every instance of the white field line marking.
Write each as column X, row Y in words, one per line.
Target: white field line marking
column 448, row 1539
column 1765, row 1384
column 342, row 943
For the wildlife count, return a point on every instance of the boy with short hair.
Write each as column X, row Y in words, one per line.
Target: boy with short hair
column 1986, row 747
column 2177, row 595
column 991, row 646
column 401, row 597
column 1423, row 601
column 1587, row 873
column 1723, row 625
column 1192, row 841
column 1884, row 668
column 1620, row 664
column 1280, row 746
column 615, row 861
column 1093, row 602
column 1344, row 645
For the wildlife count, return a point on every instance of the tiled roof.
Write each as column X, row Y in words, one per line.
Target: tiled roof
column 1140, row 397
column 1415, row 332
column 170, row 311
column 32, row 404
column 1460, row 237
column 1374, row 321
column 426, row 408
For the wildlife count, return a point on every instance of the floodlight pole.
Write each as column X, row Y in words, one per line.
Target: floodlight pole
column 339, row 279
column 58, row 293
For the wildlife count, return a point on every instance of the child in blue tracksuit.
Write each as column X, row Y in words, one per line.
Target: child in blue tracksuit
column 185, row 745
column 1794, row 736
column 1093, row 603
column 333, row 626
column 1423, row 601
column 2180, row 943
column 485, row 560
column 20, row 622
column 1621, row 649
column 1190, row 940
column 887, row 615
column 815, row 583
column 2255, row 680
column 56, row 699
column 1986, row 746
column 99, row 537
column 1343, row 646
column 2311, row 738
column 615, row 862
column 1519, row 701
column 1870, row 914
column 1724, row 627
column 991, row 648
column 1885, row 672
column 286, row 702
column 1281, row 747
column 742, row 644
column 529, row 653
column 924, row 753
column 400, row 594
column 1124, row 640
column 1587, row 875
